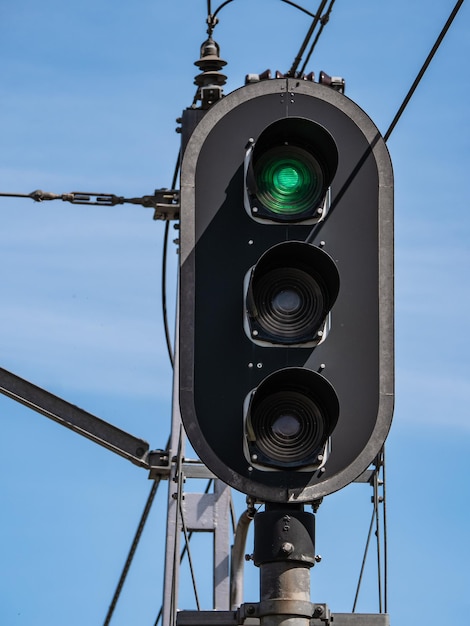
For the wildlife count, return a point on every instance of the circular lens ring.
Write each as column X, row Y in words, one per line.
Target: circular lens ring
column 301, row 445
column 289, row 181
column 299, row 323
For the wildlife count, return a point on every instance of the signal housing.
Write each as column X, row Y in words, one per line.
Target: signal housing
column 333, row 379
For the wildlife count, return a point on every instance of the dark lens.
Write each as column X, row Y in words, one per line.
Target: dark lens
column 285, row 426
column 291, row 304
column 290, row 293
column 289, row 426
column 287, row 301
column 290, row 416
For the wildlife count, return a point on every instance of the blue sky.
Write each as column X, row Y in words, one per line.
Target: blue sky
column 90, row 94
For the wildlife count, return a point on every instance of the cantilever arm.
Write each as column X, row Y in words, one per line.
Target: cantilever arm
column 132, row 448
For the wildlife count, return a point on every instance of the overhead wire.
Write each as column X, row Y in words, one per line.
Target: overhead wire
column 377, row 499
column 324, row 19
column 297, row 6
column 185, row 549
column 133, row 548
column 308, row 36
column 164, row 271
column 290, row 2
column 212, row 21
column 423, row 69
column 188, row 551
column 364, row 559
column 163, row 283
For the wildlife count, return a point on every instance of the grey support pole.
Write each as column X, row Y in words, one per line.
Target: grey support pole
column 284, row 550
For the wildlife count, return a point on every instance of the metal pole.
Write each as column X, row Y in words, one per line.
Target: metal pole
column 284, row 550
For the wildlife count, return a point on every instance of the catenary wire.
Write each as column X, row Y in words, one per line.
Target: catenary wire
column 180, row 516
column 376, row 500
column 294, row 4
column 188, row 551
column 133, row 547
column 185, row 548
column 323, row 22
column 290, row 2
column 132, row 550
column 164, row 307
column 164, row 266
column 317, row 18
column 308, row 36
column 364, row 558
column 425, row 66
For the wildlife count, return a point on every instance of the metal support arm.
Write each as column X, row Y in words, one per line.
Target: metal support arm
column 131, row 448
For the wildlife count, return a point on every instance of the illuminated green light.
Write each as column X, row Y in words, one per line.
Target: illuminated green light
column 289, row 181
column 286, row 179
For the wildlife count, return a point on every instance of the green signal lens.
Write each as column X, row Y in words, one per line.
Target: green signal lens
column 287, row 178
column 289, row 181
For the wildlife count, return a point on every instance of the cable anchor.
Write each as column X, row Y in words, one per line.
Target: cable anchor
column 165, row 202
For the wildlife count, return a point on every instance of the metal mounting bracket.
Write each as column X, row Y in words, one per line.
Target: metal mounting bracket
column 249, row 615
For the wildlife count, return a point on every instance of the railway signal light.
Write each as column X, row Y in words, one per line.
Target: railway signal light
column 286, row 290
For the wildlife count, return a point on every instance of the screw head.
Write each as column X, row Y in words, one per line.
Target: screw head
column 287, row 547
